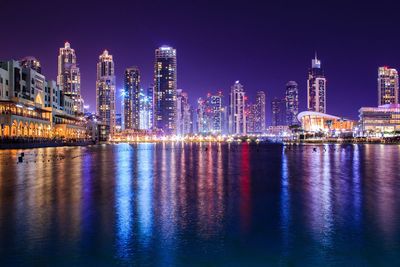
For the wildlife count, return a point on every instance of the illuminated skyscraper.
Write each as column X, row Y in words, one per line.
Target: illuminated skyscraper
column 105, row 90
column 278, row 112
column 69, row 76
column 132, row 98
column 211, row 114
column 316, row 87
column 256, row 115
column 237, row 114
column 388, row 86
column 292, row 103
column 165, row 85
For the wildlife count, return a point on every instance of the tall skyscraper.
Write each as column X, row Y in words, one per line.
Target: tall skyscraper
column 132, row 98
column 165, row 85
column 388, row 86
column 237, row 114
column 278, row 112
column 256, row 115
column 292, row 103
column 316, row 87
column 105, row 90
column 69, row 76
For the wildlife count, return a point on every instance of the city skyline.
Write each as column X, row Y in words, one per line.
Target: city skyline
column 353, row 67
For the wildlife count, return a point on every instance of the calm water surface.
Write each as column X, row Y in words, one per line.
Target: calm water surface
column 201, row 205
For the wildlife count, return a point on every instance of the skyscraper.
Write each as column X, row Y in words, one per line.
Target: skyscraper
column 256, row 115
column 69, row 76
column 132, row 98
column 388, row 86
column 292, row 103
column 316, row 87
column 211, row 114
column 105, row 90
column 165, row 85
column 237, row 114
column 278, row 112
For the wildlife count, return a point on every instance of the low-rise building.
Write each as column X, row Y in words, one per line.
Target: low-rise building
column 385, row 118
column 32, row 107
column 312, row 121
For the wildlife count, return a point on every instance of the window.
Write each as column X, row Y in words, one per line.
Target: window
column 6, row 82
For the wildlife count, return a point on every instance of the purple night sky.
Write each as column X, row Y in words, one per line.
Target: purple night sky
column 218, row 42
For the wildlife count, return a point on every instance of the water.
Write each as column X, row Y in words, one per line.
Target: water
column 201, row 205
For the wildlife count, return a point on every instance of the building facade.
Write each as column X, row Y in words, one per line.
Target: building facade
column 69, row 76
column 165, row 85
column 388, row 86
column 316, row 87
column 278, row 106
column 312, row 121
column 131, row 106
column 237, row 110
column 292, row 103
column 32, row 107
column 105, row 90
column 382, row 119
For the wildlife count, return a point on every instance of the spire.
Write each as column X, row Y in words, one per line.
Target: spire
column 316, row 56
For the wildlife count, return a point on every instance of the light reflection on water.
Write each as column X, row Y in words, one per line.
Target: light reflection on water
column 201, row 204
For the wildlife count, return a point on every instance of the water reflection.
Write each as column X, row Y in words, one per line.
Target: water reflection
column 210, row 204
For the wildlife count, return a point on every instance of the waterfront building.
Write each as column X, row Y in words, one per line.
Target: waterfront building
column 184, row 117
column 105, row 90
column 131, row 98
column 237, row 112
column 292, row 103
column 312, row 121
column 165, row 85
column 118, row 122
column 382, row 119
column 33, row 107
column 69, row 77
column 278, row 106
column 388, row 86
column 316, row 87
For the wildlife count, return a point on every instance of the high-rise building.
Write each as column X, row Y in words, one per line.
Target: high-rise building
column 256, row 115
column 165, row 85
column 316, row 87
column 105, row 90
column 292, row 103
column 69, row 76
column 132, row 98
column 237, row 113
column 183, row 113
column 278, row 112
column 388, row 86
column 211, row 114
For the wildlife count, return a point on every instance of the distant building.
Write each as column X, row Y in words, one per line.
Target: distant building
column 211, row 113
column 385, row 118
column 278, row 112
column 183, row 114
column 118, row 122
column 256, row 115
column 237, row 112
column 131, row 97
column 105, row 90
column 316, row 87
column 388, row 86
column 69, row 76
column 292, row 103
column 165, row 85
